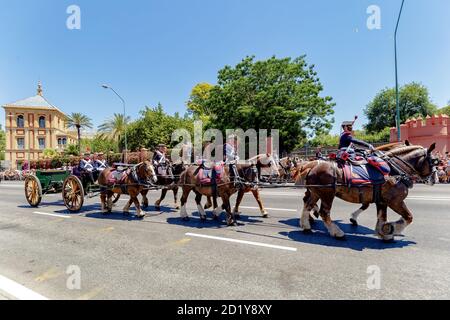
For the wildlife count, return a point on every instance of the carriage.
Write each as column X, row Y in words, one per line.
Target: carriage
column 74, row 186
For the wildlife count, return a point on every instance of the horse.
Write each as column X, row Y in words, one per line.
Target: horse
column 326, row 180
column 262, row 161
column 169, row 182
column 224, row 188
column 303, row 168
column 285, row 169
column 133, row 183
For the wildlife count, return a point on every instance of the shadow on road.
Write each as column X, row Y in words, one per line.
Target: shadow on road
column 357, row 238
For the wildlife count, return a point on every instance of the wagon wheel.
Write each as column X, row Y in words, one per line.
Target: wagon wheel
column 33, row 191
column 73, row 194
column 116, row 197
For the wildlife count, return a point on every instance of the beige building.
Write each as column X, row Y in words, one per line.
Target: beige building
column 33, row 125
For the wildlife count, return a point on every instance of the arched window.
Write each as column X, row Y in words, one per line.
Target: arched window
column 42, row 122
column 20, row 122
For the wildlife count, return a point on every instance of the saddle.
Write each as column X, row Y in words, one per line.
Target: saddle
column 209, row 173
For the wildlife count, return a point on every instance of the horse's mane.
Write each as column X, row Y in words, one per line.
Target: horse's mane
column 389, row 146
column 410, row 150
column 259, row 156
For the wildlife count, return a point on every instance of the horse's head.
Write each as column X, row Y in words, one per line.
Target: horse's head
column 417, row 161
column 272, row 164
column 148, row 172
column 250, row 174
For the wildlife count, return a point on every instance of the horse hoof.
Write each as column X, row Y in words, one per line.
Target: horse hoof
column 265, row 216
column 186, row 219
column 234, row 224
column 140, row 217
column 388, row 229
column 388, row 241
column 203, row 219
column 307, row 231
column 354, row 222
column 340, row 238
column 177, row 207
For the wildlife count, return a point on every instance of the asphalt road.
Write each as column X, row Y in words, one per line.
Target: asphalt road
column 162, row 257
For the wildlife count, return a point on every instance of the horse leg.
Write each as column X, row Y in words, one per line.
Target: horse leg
column 134, row 198
column 201, row 211
column 175, row 196
column 263, row 210
column 325, row 213
column 110, row 201
column 381, row 221
column 144, row 199
column 126, row 209
column 239, row 198
column 396, row 228
column 161, row 199
column 309, row 203
column 356, row 214
column 209, row 203
column 103, row 200
column 231, row 220
column 184, row 197
column 217, row 210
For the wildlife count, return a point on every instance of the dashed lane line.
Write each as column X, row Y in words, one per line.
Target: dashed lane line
column 18, row 291
column 52, row 215
column 258, row 244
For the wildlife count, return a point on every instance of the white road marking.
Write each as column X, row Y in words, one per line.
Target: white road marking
column 273, row 209
column 18, row 291
column 444, row 239
column 52, row 215
column 259, row 244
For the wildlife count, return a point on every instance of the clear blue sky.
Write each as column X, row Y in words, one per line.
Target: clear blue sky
column 156, row 51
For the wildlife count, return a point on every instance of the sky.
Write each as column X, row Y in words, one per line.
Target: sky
column 156, row 51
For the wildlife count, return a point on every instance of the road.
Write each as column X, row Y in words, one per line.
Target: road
column 162, row 257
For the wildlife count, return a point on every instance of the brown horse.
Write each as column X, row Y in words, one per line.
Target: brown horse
column 168, row 182
column 285, row 169
column 263, row 161
column 325, row 181
column 133, row 184
column 224, row 189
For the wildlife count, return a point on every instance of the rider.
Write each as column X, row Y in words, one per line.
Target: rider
column 230, row 157
column 99, row 164
column 87, row 167
column 159, row 159
column 347, row 138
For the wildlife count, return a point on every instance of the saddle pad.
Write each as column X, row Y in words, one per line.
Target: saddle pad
column 205, row 175
column 362, row 175
column 380, row 165
column 117, row 177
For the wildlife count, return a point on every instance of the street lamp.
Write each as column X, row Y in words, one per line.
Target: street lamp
column 399, row 137
column 105, row 86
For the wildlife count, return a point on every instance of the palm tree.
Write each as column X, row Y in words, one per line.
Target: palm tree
column 114, row 128
column 79, row 121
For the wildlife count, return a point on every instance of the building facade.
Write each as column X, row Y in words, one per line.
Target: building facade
column 33, row 125
column 424, row 132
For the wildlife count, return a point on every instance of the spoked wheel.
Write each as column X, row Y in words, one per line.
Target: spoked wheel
column 116, row 197
column 33, row 191
column 73, row 194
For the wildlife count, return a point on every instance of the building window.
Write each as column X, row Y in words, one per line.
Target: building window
column 20, row 122
column 62, row 142
column 42, row 122
column 21, row 143
column 41, row 142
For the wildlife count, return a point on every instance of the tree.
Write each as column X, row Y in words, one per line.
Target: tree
column 414, row 101
column 79, row 121
column 281, row 94
column 329, row 140
column 155, row 127
column 114, row 128
column 72, row 150
column 49, row 153
column 196, row 104
column 100, row 143
column 2, row 143
column 445, row 110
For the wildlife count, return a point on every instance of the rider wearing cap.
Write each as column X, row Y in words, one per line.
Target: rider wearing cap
column 87, row 167
column 347, row 138
column 159, row 159
column 230, row 156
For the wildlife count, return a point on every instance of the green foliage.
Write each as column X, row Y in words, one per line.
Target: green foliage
column 114, row 129
column 414, row 101
column 99, row 143
column 445, row 110
column 2, row 143
column 281, row 94
column 196, row 104
column 79, row 121
column 155, row 127
column 72, row 150
column 50, row 153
